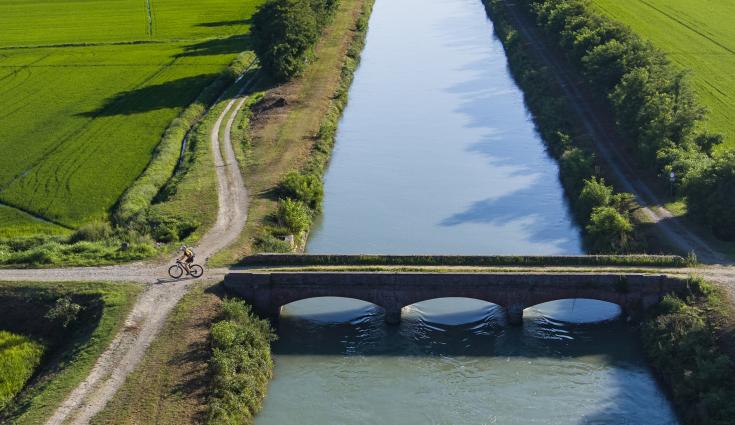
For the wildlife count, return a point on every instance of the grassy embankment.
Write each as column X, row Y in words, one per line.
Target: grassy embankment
column 696, row 36
column 19, row 358
column 692, row 350
column 95, row 90
column 69, row 351
column 292, row 127
column 179, row 379
column 99, row 106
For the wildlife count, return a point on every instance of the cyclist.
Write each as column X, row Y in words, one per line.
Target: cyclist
column 187, row 256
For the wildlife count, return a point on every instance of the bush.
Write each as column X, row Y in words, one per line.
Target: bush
column 595, row 193
column 63, row 312
column 295, row 215
column 92, row 232
column 680, row 340
column 306, row 188
column 608, row 231
column 241, row 364
column 711, row 196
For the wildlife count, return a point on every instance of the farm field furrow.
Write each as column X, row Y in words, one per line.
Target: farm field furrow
column 698, row 36
column 81, row 122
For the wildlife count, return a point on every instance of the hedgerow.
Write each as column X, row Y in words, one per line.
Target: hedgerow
column 462, row 260
column 306, row 185
column 681, row 341
column 606, row 230
column 652, row 101
column 241, row 364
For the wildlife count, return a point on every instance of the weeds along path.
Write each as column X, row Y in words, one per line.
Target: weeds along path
column 606, row 142
column 153, row 306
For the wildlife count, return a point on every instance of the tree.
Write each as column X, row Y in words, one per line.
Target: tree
column 595, row 193
column 608, row 231
column 285, row 32
column 711, row 196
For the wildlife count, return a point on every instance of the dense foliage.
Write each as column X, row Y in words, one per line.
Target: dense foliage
column 19, row 358
column 285, row 32
column 241, row 364
column 306, row 185
column 681, row 341
column 652, row 101
column 74, row 323
column 711, row 193
column 608, row 230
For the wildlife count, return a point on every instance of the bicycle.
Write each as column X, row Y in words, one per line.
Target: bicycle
column 178, row 270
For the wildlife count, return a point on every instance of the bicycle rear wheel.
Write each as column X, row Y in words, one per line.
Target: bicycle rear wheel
column 175, row 271
column 196, row 270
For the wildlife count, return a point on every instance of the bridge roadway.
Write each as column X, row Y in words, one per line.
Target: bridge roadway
column 268, row 291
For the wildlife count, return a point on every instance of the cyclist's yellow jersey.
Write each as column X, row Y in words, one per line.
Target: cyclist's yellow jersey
column 188, row 253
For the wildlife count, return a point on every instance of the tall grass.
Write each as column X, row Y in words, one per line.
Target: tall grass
column 19, row 358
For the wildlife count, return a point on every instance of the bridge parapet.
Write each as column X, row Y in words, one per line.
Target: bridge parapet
column 267, row 292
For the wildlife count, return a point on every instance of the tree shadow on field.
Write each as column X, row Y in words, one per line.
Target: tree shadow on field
column 171, row 94
column 218, row 46
column 225, row 23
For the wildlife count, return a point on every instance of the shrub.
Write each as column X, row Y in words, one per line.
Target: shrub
column 575, row 165
column 681, row 342
column 595, row 193
column 64, row 311
column 608, row 230
column 295, row 215
column 271, row 243
column 92, row 232
column 241, row 364
column 306, row 188
column 711, row 196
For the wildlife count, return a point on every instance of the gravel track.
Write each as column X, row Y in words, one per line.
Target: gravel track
column 151, row 309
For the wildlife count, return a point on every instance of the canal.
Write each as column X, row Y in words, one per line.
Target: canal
column 436, row 153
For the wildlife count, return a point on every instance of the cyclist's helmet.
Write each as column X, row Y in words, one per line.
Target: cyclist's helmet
column 183, row 248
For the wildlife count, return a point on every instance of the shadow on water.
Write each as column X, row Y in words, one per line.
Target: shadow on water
column 441, row 327
column 541, row 225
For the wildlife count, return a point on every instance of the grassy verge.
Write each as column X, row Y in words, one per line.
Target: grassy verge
column 683, row 340
column 170, row 384
column 463, row 260
column 70, row 351
column 289, row 128
column 241, row 364
column 19, row 358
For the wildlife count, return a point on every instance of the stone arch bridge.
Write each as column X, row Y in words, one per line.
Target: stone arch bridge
column 267, row 291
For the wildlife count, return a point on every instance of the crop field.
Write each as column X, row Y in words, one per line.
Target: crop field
column 88, row 88
column 19, row 357
column 697, row 35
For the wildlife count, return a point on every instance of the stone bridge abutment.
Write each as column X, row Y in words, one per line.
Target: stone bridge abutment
column 267, row 292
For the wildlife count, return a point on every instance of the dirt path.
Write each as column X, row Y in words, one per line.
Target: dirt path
column 153, row 306
column 607, row 142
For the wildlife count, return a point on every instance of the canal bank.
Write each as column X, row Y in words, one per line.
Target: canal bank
column 436, row 153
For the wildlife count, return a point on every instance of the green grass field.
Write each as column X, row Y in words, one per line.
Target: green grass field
column 697, row 35
column 19, row 357
column 89, row 87
column 71, row 352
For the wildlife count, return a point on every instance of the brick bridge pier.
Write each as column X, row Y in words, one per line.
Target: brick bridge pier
column 267, row 291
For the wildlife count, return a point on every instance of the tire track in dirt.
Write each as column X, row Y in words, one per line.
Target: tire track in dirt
column 153, row 306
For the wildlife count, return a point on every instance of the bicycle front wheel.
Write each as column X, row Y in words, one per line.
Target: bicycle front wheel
column 196, row 270
column 175, row 271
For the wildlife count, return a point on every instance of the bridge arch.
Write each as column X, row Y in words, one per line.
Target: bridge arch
column 462, row 310
column 331, row 309
column 578, row 310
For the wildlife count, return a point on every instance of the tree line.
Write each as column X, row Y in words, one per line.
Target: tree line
column 285, row 33
column 653, row 104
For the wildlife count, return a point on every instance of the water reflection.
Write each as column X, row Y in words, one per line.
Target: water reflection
column 454, row 361
column 435, row 152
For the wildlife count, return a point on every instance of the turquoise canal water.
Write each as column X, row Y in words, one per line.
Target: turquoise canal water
column 436, row 153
